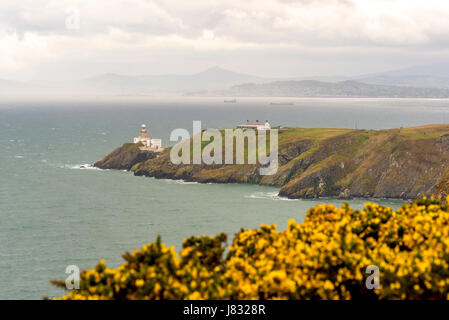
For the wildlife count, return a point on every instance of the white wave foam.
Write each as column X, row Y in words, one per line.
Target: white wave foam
column 268, row 195
column 185, row 182
column 180, row 181
column 85, row 166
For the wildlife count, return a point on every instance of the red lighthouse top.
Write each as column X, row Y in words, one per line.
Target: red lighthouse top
column 143, row 131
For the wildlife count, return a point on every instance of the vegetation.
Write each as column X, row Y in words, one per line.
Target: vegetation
column 125, row 157
column 424, row 132
column 323, row 258
column 403, row 163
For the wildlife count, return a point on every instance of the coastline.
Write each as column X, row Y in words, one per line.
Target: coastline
column 406, row 163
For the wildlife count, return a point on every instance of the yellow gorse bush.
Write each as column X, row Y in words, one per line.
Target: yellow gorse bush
column 325, row 257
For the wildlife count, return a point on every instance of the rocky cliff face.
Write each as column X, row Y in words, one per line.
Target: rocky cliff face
column 397, row 163
column 124, row 157
column 441, row 190
column 405, row 163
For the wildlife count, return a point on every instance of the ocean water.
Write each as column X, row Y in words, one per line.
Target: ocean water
column 54, row 214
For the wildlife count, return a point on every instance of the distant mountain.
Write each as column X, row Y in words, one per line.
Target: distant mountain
column 429, row 76
column 428, row 81
column 220, row 76
column 411, row 81
column 312, row 88
column 211, row 79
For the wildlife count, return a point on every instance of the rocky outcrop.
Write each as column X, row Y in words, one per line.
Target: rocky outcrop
column 398, row 163
column 345, row 195
column 442, row 188
column 124, row 157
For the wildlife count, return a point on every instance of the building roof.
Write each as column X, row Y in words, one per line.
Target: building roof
column 255, row 123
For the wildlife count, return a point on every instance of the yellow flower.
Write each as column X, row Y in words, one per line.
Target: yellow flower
column 140, row 283
column 315, row 259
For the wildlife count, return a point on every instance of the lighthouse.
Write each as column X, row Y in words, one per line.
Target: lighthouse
column 143, row 132
column 148, row 144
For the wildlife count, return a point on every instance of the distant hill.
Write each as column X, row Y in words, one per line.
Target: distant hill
column 211, row 79
column 312, row 88
column 418, row 82
column 412, row 81
column 429, row 76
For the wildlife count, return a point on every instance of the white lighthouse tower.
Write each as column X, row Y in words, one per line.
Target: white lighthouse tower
column 147, row 142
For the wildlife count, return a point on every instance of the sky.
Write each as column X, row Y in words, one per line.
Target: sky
column 73, row 39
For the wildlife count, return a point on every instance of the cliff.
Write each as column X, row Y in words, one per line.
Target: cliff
column 124, row 157
column 397, row 163
column 442, row 188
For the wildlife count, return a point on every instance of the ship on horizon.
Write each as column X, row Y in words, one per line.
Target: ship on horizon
column 281, row 103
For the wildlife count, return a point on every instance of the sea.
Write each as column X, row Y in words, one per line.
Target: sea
column 56, row 211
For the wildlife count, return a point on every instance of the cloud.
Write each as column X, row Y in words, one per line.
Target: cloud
column 33, row 33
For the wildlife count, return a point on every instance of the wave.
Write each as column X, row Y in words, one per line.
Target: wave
column 268, row 195
column 180, row 181
column 185, row 182
column 85, row 166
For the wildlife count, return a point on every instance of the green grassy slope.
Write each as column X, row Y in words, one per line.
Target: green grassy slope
column 314, row 162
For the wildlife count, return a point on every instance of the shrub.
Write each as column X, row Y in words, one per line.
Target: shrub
column 325, row 257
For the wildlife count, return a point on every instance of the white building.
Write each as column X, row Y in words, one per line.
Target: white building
column 257, row 125
column 150, row 144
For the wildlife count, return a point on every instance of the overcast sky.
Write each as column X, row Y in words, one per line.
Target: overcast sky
column 272, row 38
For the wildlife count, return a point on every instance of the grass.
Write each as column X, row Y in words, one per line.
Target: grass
column 312, row 133
column 223, row 143
column 290, row 136
column 425, row 132
column 132, row 147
